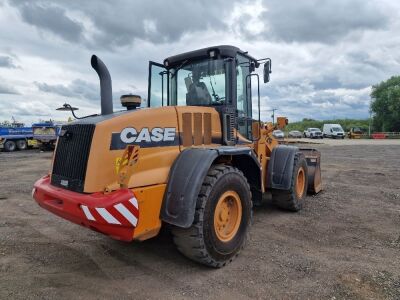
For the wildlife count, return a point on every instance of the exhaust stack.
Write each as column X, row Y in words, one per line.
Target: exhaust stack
column 105, row 85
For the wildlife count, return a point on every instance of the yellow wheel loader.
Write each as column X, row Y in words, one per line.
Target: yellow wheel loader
column 355, row 133
column 193, row 157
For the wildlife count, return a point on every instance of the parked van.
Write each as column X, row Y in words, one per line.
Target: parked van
column 334, row 131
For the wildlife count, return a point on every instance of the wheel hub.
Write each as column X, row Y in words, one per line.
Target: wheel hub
column 227, row 216
column 300, row 183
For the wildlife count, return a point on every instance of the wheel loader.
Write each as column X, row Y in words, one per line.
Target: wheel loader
column 193, row 157
column 355, row 133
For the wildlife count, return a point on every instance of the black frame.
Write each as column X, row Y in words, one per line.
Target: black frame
column 166, row 72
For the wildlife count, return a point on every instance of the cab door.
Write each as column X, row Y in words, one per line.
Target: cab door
column 158, row 85
column 243, row 100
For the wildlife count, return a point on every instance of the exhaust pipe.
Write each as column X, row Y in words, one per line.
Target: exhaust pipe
column 105, row 85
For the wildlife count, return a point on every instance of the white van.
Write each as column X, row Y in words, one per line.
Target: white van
column 334, row 131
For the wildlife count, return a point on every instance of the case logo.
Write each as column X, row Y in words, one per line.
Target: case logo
column 146, row 137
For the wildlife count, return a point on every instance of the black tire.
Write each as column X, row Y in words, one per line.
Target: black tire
column 22, row 145
column 10, row 146
column 200, row 241
column 290, row 200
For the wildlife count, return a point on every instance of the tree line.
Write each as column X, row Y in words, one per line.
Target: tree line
column 345, row 123
column 385, row 105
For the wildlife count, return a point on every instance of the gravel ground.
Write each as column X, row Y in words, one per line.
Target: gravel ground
column 345, row 243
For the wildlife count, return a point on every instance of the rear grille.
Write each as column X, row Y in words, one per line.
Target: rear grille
column 71, row 156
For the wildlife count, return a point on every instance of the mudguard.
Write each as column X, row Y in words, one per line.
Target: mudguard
column 187, row 176
column 280, row 167
column 184, row 183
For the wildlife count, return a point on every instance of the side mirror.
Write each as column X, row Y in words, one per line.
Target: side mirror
column 267, row 70
column 282, row 122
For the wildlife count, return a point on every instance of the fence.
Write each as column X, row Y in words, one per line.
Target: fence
column 382, row 135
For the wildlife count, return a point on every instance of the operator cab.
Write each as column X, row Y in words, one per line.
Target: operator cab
column 219, row 77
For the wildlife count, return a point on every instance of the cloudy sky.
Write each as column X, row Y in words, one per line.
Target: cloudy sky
column 325, row 54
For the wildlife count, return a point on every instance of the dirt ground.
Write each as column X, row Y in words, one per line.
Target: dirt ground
column 345, row 244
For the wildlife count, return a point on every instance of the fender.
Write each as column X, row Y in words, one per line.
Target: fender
column 187, row 176
column 280, row 167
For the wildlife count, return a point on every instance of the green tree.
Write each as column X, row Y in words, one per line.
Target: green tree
column 386, row 105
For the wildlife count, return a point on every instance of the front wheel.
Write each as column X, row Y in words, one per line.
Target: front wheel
column 293, row 198
column 222, row 219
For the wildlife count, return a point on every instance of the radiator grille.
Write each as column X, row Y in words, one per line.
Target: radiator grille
column 71, row 157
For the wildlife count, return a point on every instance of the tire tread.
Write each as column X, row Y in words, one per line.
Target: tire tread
column 190, row 242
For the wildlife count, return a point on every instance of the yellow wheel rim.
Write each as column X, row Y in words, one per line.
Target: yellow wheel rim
column 227, row 216
column 300, row 182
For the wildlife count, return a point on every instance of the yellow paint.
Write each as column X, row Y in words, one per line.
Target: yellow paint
column 117, row 164
column 32, row 143
column 150, row 200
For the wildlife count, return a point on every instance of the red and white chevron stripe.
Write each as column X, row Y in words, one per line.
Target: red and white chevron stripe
column 124, row 213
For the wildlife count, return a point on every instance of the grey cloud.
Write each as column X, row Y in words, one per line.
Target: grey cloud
column 334, row 82
column 6, row 89
column 308, row 78
column 327, row 82
column 7, row 62
column 156, row 21
column 76, row 89
column 321, row 21
column 300, row 100
column 46, row 16
column 20, row 109
column 119, row 23
column 79, row 89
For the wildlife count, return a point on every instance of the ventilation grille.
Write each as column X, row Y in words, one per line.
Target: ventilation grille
column 72, row 154
column 196, row 129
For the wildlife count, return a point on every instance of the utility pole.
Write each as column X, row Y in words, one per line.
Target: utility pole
column 369, row 125
column 273, row 115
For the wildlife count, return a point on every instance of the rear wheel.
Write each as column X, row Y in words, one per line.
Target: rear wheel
column 222, row 219
column 9, row 146
column 21, row 145
column 293, row 198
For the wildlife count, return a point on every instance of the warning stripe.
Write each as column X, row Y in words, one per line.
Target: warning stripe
column 87, row 213
column 134, row 202
column 132, row 206
column 107, row 216
column 126, row 213
column 119, row 216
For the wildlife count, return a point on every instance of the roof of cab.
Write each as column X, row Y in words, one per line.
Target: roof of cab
column 222, row 50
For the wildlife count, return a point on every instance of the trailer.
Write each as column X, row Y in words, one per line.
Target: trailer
column 15, row 136
column 46, row 133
